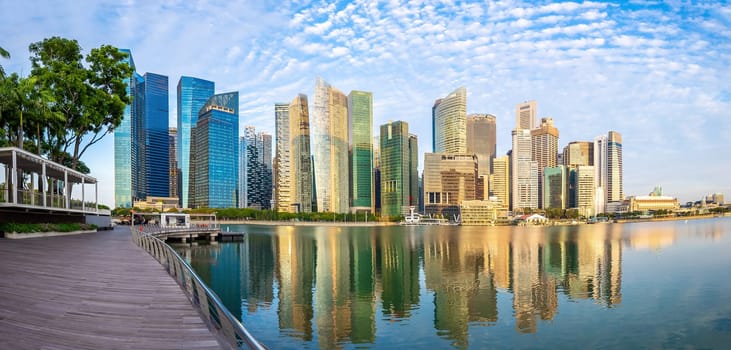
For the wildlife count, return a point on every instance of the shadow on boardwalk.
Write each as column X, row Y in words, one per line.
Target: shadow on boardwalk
column 92, row 291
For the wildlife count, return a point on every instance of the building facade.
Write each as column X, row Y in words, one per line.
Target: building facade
column 255, row 177
column 360, row 137
column 481, row 140
column 555, row 189
column 152, row 95
column 524, row 172
column 544, row 149
column 124, row 167
column 608, row 168
column 193, row 93
column 449, row 179
column 174, row 169
column 303, row 196
column 500, row 180
column 214, row 153
column 395, row 174
column 330, row 148
column 450, row 122
column 525, row 115
column 578, row 153
column 585, row 194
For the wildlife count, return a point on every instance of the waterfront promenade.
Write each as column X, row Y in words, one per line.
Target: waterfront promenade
column 92, row 291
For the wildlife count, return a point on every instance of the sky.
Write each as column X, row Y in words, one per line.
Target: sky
column 657, row 72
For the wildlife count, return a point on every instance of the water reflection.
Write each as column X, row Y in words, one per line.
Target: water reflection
column 333, row 286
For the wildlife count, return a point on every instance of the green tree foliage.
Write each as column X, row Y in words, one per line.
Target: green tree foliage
column 89, row 101
column 3, row 54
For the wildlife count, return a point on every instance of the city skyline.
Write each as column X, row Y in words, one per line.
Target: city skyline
column 592, row 67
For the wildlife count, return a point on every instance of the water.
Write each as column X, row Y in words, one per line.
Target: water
column 641, row 285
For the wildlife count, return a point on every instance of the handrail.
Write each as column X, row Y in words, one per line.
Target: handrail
column 229, row 331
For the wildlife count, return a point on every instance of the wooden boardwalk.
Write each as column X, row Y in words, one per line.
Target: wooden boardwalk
column 92, row 291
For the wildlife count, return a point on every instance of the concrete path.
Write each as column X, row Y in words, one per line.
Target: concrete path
column 92, row 291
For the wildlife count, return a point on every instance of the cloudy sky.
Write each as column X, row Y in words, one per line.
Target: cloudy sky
column 657, row 72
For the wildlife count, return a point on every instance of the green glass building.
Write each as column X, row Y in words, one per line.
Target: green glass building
column 360, row 137
column 395, row 161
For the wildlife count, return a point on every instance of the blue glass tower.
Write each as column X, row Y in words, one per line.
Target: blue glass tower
column 192, row 95
column 153, row 97
column 214, row 153
column 123, row 147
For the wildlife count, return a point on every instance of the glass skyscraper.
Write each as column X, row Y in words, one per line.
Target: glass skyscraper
column 123, row 146
column 450, row 122
column 214, row 153
column 360, row 136
column 395, row 172
column 153, row 96
column 192, row 95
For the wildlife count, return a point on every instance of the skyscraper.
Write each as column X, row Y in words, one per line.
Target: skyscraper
column 293, row 163
column 123, row 165
column 500, row 180
column 254, row 170
column 450, row 122
column 555, row 189
column 413, row 171
column 395, row 172
column 192, row 95
column 360, row 136
column 608, row 169
column 481, row 140
column 214, row 153
column 330, row 148
column 174, row 169
column 524, row 176
column 525, row 115
column 544, row 143
column 578, row 153
column 153, row 97
column 267, row 176
column 585, row 190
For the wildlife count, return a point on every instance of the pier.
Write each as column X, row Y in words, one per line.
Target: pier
column 93, row 291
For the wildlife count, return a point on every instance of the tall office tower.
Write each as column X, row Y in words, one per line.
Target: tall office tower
column 214, row 153
column 450, row 122
column 395, row 173
column 449, row 179
column 193, row 93
column 360, row 136
column 481, row 140
column 525, row 115
column 555, row 189
column 500, row 180
column 153, row 97
column 174, row 169
column 300, row 158
column 585, row 190
column 377, row 174
column 524, row 172
column 283, row 185
column 578, row 153
column 544, row 144
column 413, row 171
column 608, row 168
column 124, row 167
column 241, row 182
column 265, row 155
column 330, row 148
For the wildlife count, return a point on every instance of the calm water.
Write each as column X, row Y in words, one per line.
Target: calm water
column 657, row 285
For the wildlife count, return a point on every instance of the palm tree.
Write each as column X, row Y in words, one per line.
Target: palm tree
column 3, row 54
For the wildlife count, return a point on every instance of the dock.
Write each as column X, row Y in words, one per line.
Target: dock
column 93, row 291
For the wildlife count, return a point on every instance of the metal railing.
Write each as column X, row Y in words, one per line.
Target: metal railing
column 229, row 331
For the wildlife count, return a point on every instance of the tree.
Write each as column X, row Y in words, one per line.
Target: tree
column 3, row 54
column 89, row 102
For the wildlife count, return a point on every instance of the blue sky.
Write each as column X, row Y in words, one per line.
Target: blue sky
column 657, row 72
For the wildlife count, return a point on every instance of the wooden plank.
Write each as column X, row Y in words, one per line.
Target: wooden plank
column 92, row 291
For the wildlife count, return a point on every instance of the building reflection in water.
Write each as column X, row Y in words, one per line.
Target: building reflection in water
column 335, row 284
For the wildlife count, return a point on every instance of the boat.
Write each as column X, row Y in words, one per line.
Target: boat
column 416, row 219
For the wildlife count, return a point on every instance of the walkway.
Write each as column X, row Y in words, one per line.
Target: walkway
column 92, row 291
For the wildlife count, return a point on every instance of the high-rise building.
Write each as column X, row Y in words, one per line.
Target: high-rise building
column 153, row 98
column 544, row 143
column 500, row 180
column 360, row 136
column 377, row 174
column 330, row 148
column 413, row 171
column 174, row 169
column 294, row 174
column 214, row 153
column 450, row 122
column 525, row 115
column 395, row 168
column 255, row 169
column 524, row 172
column 124, row 167
column 481, row 140
column 578, row 153
column 449, row 179
column 585, row 190
column 608, row 168
column 555, row 189
column 193, row 93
